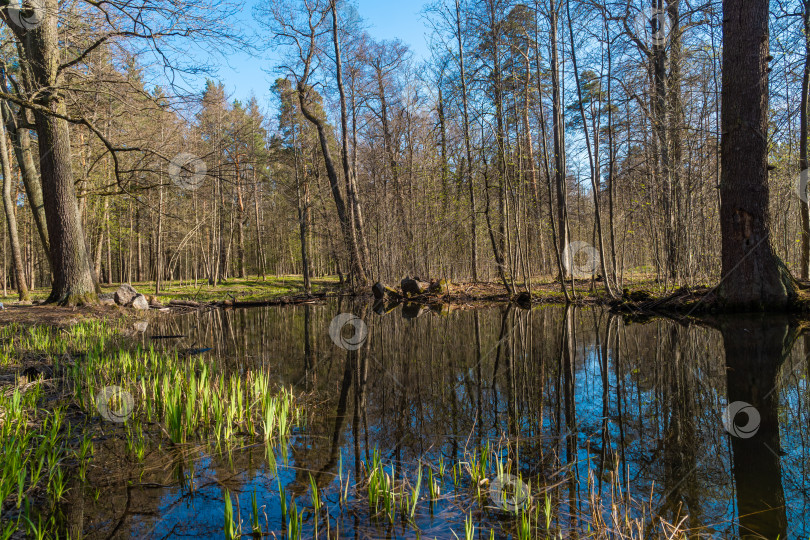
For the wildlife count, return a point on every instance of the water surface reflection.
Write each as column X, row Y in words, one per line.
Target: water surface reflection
column 590, row 408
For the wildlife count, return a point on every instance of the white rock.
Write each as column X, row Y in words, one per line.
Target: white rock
column 125, row 294
column 140, row 302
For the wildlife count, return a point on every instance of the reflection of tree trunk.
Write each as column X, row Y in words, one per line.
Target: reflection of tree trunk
column 569, row 395
column 755, row 350
column 604, row 355
column 679, row 430
column 321, row 478
column 359, row 408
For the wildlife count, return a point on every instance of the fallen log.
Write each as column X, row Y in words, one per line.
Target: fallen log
column 185, row 303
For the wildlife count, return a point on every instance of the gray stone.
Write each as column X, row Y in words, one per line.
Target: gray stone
column 384, row 291
column 125, row 294
column 140, row 302
column 412, row 287
column 378, row 290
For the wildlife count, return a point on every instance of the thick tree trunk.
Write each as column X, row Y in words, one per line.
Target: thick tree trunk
column 73, row 281
column 753, row 276
column 804, row 207
column 660, row 125
column 11, row 220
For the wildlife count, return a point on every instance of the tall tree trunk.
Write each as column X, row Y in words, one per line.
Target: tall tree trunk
column 804, row 116
column 240, row 222
column 139, row 273
column 108, row 244
column 753, row 276
column 73, row 281
column 660, row 126
column 159, row 242
column 11, row 220
column 351, row 197
column 467, row 145
column 302, row 190
column 100, row 244
column 21, row 141
column 559, row 139
column 358, row 210
column 593, row 156
column 674, row 125
column 500, row 249
column 259, row 243
column 358, row 273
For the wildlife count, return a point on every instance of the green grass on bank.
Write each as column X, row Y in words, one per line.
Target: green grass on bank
column 253, row 288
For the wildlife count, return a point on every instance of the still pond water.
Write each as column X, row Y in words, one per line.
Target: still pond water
column 591, row 412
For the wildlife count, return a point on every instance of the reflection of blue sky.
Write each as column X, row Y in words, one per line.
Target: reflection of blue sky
column 634, row 413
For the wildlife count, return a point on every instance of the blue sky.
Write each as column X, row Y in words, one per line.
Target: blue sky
column 244, row 75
